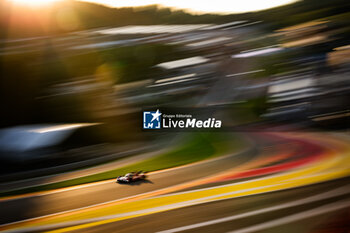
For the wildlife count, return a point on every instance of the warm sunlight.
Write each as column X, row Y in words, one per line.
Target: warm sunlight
column 33, row 2
column 217, row 6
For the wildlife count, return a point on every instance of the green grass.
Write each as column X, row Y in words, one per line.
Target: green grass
column 197, row 147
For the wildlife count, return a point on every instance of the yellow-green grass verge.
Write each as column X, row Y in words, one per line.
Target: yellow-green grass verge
column 199, row 146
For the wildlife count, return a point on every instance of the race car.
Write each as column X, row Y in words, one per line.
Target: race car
column 132, row 177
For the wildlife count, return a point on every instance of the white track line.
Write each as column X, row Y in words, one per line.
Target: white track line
column 166, row 207
column 329, row 194
column 171, row 194
column 117, row 200
column 123, row 162
column 333, row 193
column 295, row 217
column 59, row 190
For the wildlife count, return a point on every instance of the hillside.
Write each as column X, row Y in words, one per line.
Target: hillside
column 72, row 15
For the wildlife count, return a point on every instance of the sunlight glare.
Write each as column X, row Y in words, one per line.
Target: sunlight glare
column 33, row 2
column 200, row 6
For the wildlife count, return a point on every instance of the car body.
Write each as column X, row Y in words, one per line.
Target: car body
column 132, row 177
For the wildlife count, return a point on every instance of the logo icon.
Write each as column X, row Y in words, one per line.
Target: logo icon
column 151, row 120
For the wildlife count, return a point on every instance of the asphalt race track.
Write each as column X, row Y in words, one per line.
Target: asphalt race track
column 285, row 182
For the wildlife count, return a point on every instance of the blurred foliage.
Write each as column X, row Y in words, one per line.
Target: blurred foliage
column 298, row 12
column 71, row 15
column 28, row 77
column 134, row 63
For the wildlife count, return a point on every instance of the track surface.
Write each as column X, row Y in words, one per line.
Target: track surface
column 225, row 210
column 285, row 178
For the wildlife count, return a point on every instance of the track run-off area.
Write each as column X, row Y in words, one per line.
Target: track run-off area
column 284, row 164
